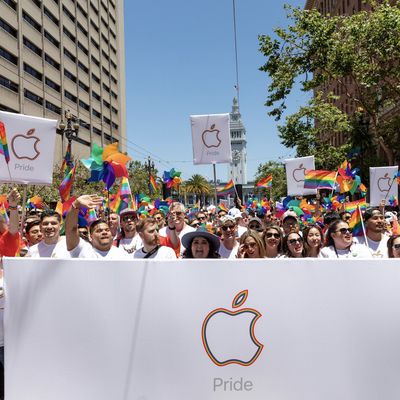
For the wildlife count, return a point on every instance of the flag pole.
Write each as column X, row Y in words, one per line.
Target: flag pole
column 21, row 229
column 333, row 189
column 363, row 227
column 215, row 182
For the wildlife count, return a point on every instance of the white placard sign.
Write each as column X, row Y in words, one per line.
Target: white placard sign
column 191, row 329
column 211, row 139
column 31, row 142
column 383, row 184
column 295, row 170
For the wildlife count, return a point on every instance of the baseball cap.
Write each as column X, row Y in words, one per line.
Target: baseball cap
column 128, row 211
column 289, row 214
column 235, row 213
column 227, row 218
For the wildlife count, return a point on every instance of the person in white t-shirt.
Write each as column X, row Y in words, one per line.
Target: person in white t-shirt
column 52, row 245
column 148, row 231
column 129, row 240
column 100, row 236
column 229, row 245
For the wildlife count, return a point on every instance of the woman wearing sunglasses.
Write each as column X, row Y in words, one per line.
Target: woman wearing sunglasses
column 293, row 246
column 340, row 243
column 272, row 239
column 313, row 240
column 251, row 246
column 394, row 246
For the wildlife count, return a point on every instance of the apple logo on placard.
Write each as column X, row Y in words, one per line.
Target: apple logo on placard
column 384, row 183
column 298, row 173
column 25, row 146
column 210, row 137
column 228, row 336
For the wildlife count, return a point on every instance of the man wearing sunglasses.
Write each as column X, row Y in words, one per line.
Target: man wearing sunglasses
column 129, row 240
column 229, row 245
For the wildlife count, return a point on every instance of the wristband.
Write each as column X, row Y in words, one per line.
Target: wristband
column 172, row 229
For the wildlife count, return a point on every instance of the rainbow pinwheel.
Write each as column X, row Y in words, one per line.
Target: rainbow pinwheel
column 172, row 178
column 106, row 164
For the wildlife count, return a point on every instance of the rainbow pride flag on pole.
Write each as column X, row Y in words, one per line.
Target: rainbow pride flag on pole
column 352, row 206
column 153, row 184
column 65, row 186
column 356, row 223
column 3, row 143
column 319, row 179
column 265, row 182
column 123, row 199
column 3, row 213
column 229, row 188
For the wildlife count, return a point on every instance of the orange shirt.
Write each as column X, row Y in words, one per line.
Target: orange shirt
column 9, row 244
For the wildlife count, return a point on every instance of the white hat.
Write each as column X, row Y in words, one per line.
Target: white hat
column 235, row 213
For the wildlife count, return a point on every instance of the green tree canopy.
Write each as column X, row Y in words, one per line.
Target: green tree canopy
column 277, row 170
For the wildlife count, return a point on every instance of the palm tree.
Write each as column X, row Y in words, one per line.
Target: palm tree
column 198, row 185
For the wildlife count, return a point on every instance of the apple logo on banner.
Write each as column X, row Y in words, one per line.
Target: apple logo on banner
column 298, row 173
column 384, row 183
column 25, row 146
column 228, row 336
column 210, row 137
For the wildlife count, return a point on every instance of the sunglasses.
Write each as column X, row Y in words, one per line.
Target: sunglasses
column 128, row 217
column 250, row 246
column 294, row 241
column 201, row 218
column 177, row 213
column 396, row 246
column 196, row 225
column 343, row 231
column 270, row 235
column 226, row 227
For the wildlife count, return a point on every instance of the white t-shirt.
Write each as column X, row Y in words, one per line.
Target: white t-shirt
column 131, row 245
column 57, row 250
column 163, row 253
column 378, row 249
column 241, row 230
column 86, row 250
column 356, row 251
column 166, row 232
column 226, row 253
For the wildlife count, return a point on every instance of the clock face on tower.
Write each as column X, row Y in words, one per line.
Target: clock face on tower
column 236, row 156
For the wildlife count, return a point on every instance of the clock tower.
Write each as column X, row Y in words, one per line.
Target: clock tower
column 238, row 167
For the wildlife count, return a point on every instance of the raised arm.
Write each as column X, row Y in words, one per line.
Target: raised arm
column 13, row 200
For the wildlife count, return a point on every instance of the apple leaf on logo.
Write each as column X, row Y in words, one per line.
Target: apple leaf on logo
column 30, row 132
column 240, row 298
column 212, row 126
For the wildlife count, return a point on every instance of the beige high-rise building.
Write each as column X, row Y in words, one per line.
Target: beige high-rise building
column 59, row 55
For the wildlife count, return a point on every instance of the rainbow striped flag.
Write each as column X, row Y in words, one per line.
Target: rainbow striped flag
column 265, row 182
column 3, row 213
column 153, row 184
column 91, row 215
column 319, row 179
column 222, row 207
column 35, row 202
column 123, row 199
column 352, row 206
column 229, row 188
column 65, row 186
column 397, row 176
column 356, row 223
column 67, row 163
column 3, row 143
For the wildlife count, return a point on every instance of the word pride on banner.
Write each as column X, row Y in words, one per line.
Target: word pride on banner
column 211, row 139
column 295, row 174
column 383, row 184
column 92, row 329
column 30, row 142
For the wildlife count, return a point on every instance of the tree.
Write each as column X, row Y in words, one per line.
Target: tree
column 139, row 179
column 198, row 185
column 360, row 52
column 277, row 170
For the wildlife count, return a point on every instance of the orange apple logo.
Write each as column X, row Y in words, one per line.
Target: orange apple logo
column 25, row 146
column 242, row 348
column 210, row 137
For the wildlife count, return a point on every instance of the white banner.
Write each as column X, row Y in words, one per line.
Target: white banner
column 31, row 143
column 295, row 170
column 382, row 184
column 244, row 329
column 211, row 139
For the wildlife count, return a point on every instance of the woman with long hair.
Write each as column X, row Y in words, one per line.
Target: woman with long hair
column 251, row 246
column 293, row 246
column 272, row 238
column 313, row 240
column 200, row 244
column 340, row 243
column 393, row 245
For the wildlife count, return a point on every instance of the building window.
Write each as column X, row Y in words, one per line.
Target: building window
column 94, row 43
column 114, row 126
column 96, row 131
column 32, row 46
column 52, row 85
column 96, row 96
column 113, row 94
column 105, row 55
column 11, row 3
column 114, row 110
column 31, row 21
column 84, row 124
column 69, row 75
column 68, row 14
column 83, row 67
column 70, row 96
column 69, row 55
column 52, row 62
column 93, row 7
column 106, row 88
column 95, row 78
column 8, row 28
column 84, row 105
column 50, row 16
column 105, row 71
column 95, row 60
column 33, row 97
column 113, row 80
column 105, row 39
column 32, row 71
column 96, row 113
column 80, row 8
column 83, row 86
column 83, row 48
column 52, row 107
column 82, row 29
column 107, row 104
column 107, row 121
column 68, row 34
column 51, row 39
column 5, row 82
column 94, row 26
column 38, row 3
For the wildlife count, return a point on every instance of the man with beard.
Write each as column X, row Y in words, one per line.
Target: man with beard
column 129, row 240
column 377, row 240
column 100, row 243
column 229, row 245
column 148, row 231
column 52, row 244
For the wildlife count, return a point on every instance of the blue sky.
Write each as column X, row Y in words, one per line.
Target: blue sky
column 180, row 60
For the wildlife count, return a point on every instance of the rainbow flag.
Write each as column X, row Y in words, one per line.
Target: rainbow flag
column 356, row 223
column 229, row 188
column 35, row 202
column 397, row 176
column 265, row 182
column 67, row 164
column 65, row 186
column 153, row 184
column 3, row 213
column 92, row 216
column 319, row 179
column 3, row 143
column 222, row 207
column 123, row 199
column 352, row 206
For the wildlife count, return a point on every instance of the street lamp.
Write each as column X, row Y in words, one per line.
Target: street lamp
column 70, row 129
column 150, row 167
